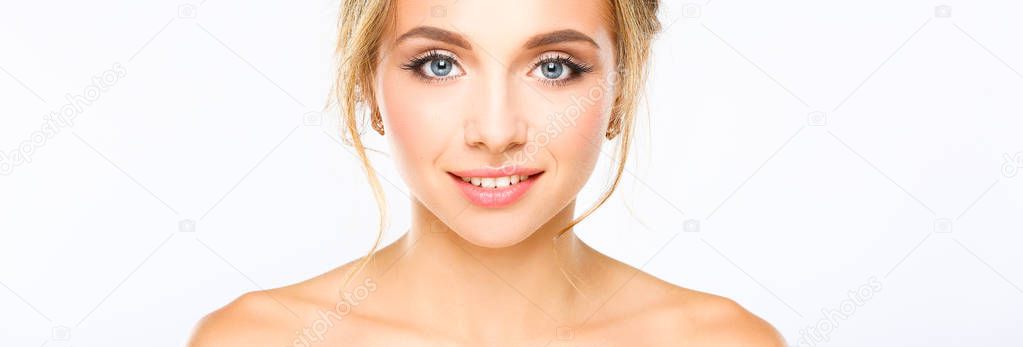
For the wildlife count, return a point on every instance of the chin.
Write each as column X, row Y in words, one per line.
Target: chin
column 486, row 230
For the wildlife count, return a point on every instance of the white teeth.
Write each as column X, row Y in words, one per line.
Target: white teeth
column 487, row 182
column 495, row 182
column 502, row 182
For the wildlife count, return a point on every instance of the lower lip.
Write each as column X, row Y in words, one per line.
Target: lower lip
column 494, row 197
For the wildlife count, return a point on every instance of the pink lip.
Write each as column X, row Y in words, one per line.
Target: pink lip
column 495, row 197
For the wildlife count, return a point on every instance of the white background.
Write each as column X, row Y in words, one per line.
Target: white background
column 922, row 109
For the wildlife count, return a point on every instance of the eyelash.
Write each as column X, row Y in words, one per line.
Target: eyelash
column 577, row 69
column 415, row 65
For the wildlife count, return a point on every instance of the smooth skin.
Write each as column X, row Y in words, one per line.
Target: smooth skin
column 465, row 275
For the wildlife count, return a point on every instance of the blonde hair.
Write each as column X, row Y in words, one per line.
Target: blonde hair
column 361, row 23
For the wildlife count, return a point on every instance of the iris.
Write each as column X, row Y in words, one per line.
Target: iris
column 553, row 70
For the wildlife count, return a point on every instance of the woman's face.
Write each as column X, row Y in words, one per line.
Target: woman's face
column 495, row 110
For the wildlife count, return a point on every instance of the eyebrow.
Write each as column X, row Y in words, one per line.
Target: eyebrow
column 566, row 35
column 438, row 34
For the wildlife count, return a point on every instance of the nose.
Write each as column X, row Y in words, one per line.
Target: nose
column 496, row 124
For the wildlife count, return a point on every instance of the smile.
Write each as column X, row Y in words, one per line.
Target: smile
column 494, row 182
column 495, row 188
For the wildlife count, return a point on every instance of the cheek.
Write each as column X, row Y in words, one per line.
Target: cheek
column 414, row 123
column 583, row 123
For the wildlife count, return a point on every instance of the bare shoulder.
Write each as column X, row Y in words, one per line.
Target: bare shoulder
column 666, row 314
column 695, row 318
column 719, row 321
column 275, row 317
column 253, row 319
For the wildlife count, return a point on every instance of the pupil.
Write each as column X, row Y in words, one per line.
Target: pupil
column 552, row 70
column 441, row 67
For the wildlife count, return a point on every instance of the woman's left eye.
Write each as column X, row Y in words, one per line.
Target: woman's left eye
column 553, row 70
column 558, row 69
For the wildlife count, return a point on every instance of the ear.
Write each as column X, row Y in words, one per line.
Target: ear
column 614, row 126
column 368, row 98
column 375, row 120
column 614, row 123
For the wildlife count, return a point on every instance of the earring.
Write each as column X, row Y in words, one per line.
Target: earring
column 377, row 122
column 613, row 127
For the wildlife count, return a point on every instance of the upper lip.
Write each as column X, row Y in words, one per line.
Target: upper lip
column 497, row 172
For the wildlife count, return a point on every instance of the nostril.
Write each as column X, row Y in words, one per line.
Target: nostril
column 496, row 128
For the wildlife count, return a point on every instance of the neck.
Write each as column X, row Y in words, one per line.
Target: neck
column 526, row 283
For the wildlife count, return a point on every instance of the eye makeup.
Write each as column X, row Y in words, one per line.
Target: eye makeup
column 434, row 66
column 551, row 68
column 558, row 69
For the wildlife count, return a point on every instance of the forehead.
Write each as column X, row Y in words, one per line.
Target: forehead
column 492, row 24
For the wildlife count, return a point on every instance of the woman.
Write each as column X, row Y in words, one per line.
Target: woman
column 495, row 112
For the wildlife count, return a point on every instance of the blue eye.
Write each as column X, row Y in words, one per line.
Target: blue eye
column 440, row 67
column 434, row 66
column 552, row 70
column 557, row 69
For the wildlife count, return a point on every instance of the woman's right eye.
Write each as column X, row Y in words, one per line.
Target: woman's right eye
column 440, row 68
column 434, row 66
